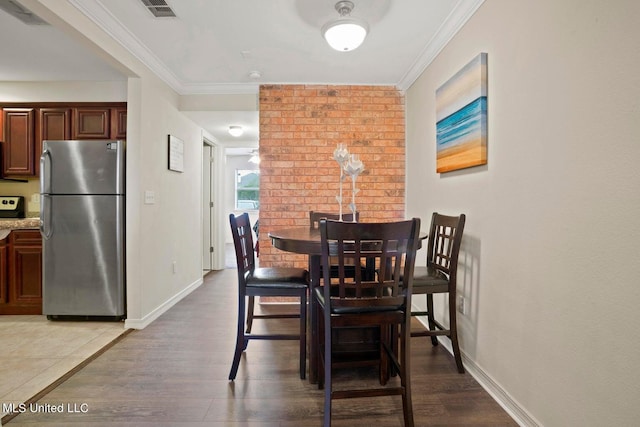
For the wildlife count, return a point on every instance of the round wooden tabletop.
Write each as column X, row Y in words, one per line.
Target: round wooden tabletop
column 303, row 240
column 300, row 240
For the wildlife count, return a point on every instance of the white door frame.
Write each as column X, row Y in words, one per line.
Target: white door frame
column 212, row 196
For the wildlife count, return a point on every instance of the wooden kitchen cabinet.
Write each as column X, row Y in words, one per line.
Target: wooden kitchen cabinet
column 19, row 141
column 91, row 123
column 118, row 123
column 55, row 123
column 24, row 126
column 23, row 273
column 3, row 272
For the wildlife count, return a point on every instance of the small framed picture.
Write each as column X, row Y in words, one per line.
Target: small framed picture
column 176, row 154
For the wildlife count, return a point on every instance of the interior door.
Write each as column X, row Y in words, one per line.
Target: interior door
column 207, row 207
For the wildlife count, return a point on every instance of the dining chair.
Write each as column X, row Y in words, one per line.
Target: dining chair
column 314, row 222
column 440, row 276
column 256, row 281
column 382, row 302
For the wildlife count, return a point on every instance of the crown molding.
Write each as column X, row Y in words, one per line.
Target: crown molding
column 459, row 16
column 220, row 89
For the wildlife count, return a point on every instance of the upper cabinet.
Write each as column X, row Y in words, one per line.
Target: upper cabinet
column 24, row 127
column 119, row 123
column 100, row 122
column 91, row 123
column 54, row 123
column 19, row 141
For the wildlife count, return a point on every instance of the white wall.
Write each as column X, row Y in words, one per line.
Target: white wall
column 170, row 230
column 550, row 255
column 68, row 91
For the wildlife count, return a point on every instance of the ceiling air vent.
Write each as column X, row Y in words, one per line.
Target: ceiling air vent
column 159, row 8
column 16, row 10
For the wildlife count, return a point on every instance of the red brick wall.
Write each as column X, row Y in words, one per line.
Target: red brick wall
column 300, row 127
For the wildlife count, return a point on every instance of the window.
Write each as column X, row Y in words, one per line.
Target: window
column 247, row 189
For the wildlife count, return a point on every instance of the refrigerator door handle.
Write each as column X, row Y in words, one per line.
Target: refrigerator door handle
column 45, row 188
column 45, row 172
column 45, row 216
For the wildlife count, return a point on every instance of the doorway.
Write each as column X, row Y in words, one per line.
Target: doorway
column 208, row 217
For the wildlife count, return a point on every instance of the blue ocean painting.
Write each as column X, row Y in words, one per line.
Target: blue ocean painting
column 464, row 125
column 461, row 118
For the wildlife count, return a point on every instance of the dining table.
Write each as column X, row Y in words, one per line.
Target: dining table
column 306, row 240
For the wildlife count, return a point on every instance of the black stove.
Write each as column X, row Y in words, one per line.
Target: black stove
column 12, row 207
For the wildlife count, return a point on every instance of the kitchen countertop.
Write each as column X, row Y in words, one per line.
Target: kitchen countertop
column 8, row 224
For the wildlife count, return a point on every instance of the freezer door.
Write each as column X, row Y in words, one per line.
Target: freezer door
column 83, row 256
column 82, row 167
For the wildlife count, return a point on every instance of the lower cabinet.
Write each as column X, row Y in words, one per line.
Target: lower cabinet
column 3, row 272
column 22, row 260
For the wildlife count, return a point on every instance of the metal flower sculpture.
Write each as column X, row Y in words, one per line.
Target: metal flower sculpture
column 341, row 155
column 354, row 167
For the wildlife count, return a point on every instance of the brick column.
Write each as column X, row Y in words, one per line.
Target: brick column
column 300, row 126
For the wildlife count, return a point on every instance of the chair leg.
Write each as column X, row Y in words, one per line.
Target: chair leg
column 405, row 369
column 303, row 335
column 250, row 314
column 385, row 362
column 328, row 386
column 395, row 339
column 453, row 333
column 431, row 318
column 320, row 347
column 241, row 340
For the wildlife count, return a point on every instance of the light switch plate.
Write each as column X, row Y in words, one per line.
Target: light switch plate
column 149, row 197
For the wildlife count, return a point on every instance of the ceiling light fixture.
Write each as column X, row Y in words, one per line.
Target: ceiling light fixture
column 236, row 130
column 255, row 157
column 345, row 33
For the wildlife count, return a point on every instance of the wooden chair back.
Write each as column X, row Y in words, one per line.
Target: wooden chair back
column 243, row 244
column 390, row 247
column 445, row 238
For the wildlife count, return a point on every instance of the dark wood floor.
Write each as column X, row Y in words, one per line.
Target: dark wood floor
column 174, row 373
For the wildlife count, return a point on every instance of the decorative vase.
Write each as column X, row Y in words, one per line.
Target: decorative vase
column 354, row 167
column 341, row 155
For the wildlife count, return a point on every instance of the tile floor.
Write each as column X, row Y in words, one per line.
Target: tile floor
column 35, row 352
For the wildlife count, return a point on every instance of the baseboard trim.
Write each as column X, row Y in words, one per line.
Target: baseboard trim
column 163, row 308
column 499, row 394
column 495, row 390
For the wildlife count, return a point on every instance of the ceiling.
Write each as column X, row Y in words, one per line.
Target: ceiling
column 212, row 46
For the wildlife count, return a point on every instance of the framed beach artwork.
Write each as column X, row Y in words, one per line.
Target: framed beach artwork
column 461, row 118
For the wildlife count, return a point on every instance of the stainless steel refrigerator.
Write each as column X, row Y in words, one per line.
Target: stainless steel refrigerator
column 82, row 216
